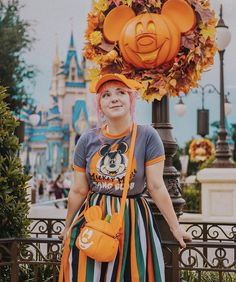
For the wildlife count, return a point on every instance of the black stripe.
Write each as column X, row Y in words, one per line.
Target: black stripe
column 143, row 213
column 115, row 268
column 103, row 271
column 127, row 273
column 74, row 264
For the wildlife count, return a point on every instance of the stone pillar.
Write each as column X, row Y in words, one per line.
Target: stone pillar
column 218, row 194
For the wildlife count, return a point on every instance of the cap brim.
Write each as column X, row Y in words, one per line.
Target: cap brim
column 130, row 83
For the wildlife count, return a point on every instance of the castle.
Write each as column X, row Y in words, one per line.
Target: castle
column 49, row 145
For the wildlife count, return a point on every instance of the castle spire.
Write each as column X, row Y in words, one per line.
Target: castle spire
column 56, row 60
column 72, row 44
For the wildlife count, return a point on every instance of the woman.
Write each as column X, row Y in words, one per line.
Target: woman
column 100, row 162
column 58, row 188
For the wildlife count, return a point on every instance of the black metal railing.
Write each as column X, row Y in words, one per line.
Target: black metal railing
column 192, row 265
column 211, row 231
column 210, row 257
column 32, row 259
column 46, row 227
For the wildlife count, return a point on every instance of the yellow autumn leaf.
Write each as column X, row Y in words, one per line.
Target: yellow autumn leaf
column 173, row 82
column 127, row 2
column 208, row 31
column 93, row 74
column 100, row 5
column 95, row 38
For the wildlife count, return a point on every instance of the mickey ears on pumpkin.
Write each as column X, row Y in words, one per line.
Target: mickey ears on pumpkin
column 115, row 21
column 181, row 13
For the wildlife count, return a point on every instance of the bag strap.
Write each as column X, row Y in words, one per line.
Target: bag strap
column 127, row 176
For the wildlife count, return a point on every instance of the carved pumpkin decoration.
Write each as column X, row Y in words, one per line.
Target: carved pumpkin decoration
column 149, row 40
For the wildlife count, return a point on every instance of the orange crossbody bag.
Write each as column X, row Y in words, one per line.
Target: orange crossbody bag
column 99, row 238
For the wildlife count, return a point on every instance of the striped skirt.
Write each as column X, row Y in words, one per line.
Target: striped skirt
column 139, row 257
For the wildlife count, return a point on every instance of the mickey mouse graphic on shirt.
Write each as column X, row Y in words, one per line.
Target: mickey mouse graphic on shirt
column 108, row 166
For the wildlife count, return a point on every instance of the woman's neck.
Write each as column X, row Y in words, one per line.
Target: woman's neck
column 116, row 127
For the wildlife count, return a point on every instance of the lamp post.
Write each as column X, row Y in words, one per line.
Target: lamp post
column 180, row 108
column 34, row 120
column 203, row 113
column 223, row 154
column 161, row 122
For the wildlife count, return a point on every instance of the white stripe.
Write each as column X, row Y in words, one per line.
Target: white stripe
column 110, row 268
column 70, row 263
column 96, row 199
column 118, row 205
column 108, row 206
column 97, row 271
column 143, row 239
column 158, row 249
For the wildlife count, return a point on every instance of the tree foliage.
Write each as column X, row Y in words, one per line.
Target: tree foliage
column 16, row 41
column 13, row 182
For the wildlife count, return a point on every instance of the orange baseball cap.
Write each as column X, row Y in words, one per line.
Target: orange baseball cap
column 130, row 83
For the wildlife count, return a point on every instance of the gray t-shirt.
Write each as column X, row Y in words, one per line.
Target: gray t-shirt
column 104, row 158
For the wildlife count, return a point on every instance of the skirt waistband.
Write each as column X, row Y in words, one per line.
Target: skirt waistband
column 128, row 196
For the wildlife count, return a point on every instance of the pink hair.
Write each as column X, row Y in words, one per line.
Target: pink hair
column 100, row 118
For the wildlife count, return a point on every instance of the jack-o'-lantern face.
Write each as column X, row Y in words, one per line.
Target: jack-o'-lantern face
column 149, row 40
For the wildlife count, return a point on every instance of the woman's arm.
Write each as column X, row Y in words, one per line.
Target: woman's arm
column 161, row 197
column 78, row 193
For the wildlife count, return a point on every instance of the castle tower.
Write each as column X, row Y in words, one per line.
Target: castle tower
column 55, row 71
column 69, row 86
column 51, row 143
column 71, row 83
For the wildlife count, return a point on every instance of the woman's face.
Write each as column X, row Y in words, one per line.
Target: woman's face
column 115, row 100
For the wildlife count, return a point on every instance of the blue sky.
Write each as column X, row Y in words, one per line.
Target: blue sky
column 51, row 17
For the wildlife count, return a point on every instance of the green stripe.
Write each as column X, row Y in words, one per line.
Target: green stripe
column 116, row 203
column 74, row 232
column 139, row 254
column 126, row 240
column 105, row 205
column 154, row 254
column 89, row 270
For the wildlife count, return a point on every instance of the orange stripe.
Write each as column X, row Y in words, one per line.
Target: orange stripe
column 112, row 205
column 121, row 251
column 101, row 204
column 82, row 267
column 134, row 266
column 78, row 168
column 115, row 136
column 150, row 261
column 156, row 160
column 64, row 275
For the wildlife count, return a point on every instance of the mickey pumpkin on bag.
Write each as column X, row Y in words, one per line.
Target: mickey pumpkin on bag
column 149, row 40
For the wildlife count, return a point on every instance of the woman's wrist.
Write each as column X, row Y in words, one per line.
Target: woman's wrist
column 175, row 228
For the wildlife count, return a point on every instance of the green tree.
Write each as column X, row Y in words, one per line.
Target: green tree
column 13, row 182
column 16, row 41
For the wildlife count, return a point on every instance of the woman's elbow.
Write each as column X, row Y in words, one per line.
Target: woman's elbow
column 78, row 191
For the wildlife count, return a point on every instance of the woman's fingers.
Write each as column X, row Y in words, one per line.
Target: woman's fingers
column 182, row 237
column 64, row 234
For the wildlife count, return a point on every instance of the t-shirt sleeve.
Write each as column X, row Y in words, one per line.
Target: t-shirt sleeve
column 79, row 162
column 155, row 151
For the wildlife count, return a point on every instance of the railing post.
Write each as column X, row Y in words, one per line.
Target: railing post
column 175, row 262
column 15, row 266
column 205, row 238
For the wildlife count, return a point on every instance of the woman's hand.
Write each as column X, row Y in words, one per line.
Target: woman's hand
column 181, row 235
column 64, row 234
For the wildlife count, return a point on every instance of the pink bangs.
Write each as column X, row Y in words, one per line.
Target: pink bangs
column 100, row 118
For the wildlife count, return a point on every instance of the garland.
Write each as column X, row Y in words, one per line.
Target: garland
column 179, row 75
